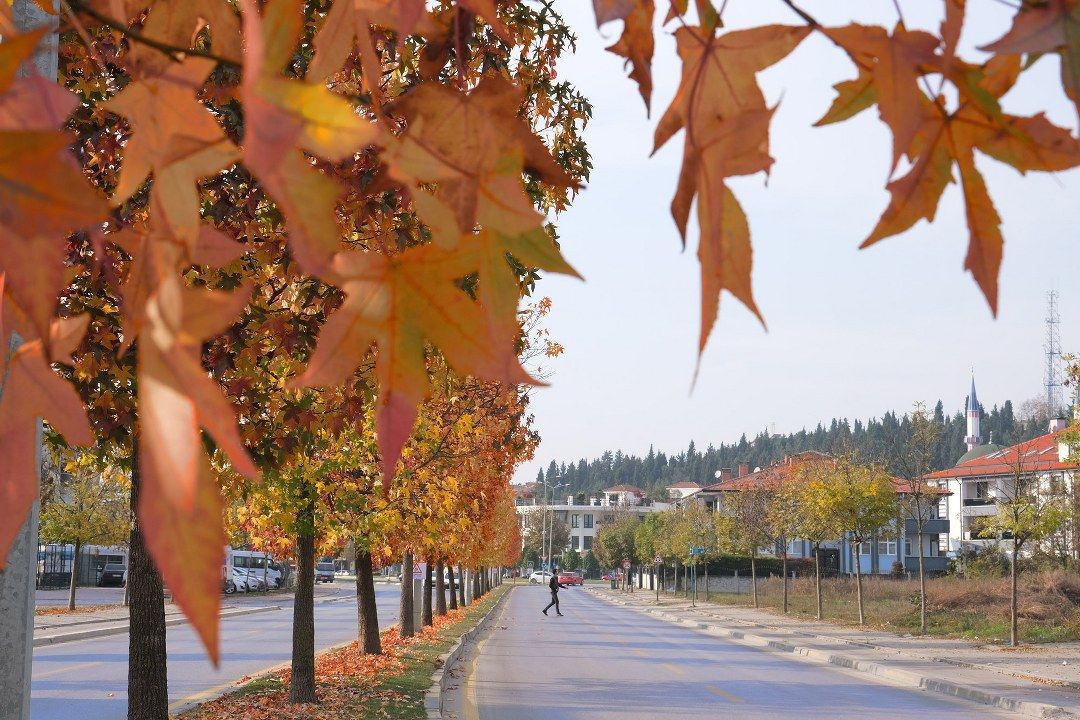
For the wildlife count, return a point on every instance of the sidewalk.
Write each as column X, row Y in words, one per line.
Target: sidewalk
column 52, row 629
column 1038, row 681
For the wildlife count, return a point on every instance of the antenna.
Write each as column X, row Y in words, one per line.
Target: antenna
column 1052, row 348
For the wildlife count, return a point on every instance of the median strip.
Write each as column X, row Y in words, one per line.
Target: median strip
column 121, row 626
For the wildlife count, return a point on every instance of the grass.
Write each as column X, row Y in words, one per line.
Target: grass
column 352, row 685
column 975, row 609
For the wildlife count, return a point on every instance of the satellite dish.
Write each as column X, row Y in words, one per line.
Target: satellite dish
column 717, row 474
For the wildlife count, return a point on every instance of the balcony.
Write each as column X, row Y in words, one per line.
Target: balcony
column 979, row 501
column 932, row 526
column 981, row 510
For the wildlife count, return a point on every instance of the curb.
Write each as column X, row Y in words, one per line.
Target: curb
column 120, row 629
column 433, row 698
column 903, row 677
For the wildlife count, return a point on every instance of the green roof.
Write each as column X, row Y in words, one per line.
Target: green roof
column 978, row 451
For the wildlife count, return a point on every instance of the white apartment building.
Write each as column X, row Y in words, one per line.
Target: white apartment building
column 585, row 518
column 985, row 475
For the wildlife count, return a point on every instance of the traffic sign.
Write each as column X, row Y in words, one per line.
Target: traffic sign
column 626, row 564
column 418, row 570
column 657, row 560
column 697, row 550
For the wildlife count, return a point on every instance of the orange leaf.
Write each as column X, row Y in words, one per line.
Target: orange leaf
column 475, row 147
column 14, row 50
column 721, row 107
column 400, row 304
column 636, row 43
column 31, row 390
column 176, row 396
column 282, row 118
column 176, row 138
column 176, row 23
column 1048, row 26
column 187, row 544
column 895, row 62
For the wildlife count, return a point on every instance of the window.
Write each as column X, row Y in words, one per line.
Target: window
column 886, row 547
column 907, row 547
column 942, row 544
column 586, row 541
column 864, row 548
column 239, row 561
column 574, row 541
column 575, row 520
column 588, row 520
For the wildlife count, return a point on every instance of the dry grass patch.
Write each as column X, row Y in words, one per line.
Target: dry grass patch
column 977, row 609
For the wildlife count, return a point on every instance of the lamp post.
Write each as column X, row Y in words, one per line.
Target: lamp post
column 551, row 531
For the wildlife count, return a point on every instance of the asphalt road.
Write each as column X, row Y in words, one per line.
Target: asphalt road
column 608, row 661
column 87, row 679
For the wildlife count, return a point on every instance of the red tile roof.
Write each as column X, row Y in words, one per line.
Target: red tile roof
column 625, row 488
column 1038, row 455
column 688, row 484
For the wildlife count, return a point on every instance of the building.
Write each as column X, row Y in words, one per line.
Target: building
column 585, row 515
column 986, row 475
column 874, row 557
column 682, row 489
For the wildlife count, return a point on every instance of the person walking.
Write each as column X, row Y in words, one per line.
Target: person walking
column 555, row 586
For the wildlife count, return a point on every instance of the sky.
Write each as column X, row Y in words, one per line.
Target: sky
column 851, row 333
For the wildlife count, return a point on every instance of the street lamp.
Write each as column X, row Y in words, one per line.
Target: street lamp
column 549, row 532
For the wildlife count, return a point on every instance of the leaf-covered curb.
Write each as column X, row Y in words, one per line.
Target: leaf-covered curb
column 352, row 685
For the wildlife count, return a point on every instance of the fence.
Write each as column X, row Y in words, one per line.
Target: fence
column 54, row 565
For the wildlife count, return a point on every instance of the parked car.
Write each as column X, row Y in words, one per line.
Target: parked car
column 114, row 574
column 239, row 580
column 607, row 576
column 324, row 572
column 571, row 578
column 540, row 577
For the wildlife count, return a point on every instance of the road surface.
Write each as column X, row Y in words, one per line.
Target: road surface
column 87, row 679
column 607, row 661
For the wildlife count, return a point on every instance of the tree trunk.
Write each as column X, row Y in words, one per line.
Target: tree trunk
column 440, row 588
column 453, row 587
column 367, row 614
column 706, row 582
column 461, row 586
column 922, row 586
column 783, row 565
column 406, row 620
column 858, row 581
column 476, row 585
column 425, row 608
column 74, row 574
column 148, row 677
column 1014, row 636
column 753, row 575
column 817, row 578
column 302, row 685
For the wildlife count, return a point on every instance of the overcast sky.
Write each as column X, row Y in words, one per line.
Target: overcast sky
column 850, row 333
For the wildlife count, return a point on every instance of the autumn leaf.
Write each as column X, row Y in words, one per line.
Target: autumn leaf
column 895, row 62
column 31, row 390
column 942, row 139
column 187, row 544
column 721, row 107
column 636, row 43
column 176, row 23
column 852, row 97
column 475, row 147
column 176, row 138
column 1049, row 26
column 400, row 304
column 176, row 396
column 285, row 117
column 14, row 51
column 37, row 210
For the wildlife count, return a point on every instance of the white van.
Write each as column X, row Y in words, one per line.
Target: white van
column 258, row 564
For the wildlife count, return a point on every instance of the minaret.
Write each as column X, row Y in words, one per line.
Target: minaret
column 974, row 414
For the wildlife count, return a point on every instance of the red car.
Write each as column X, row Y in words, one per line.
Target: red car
column 571, row 578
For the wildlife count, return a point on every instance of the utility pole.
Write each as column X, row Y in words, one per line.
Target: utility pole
column 17, row 579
